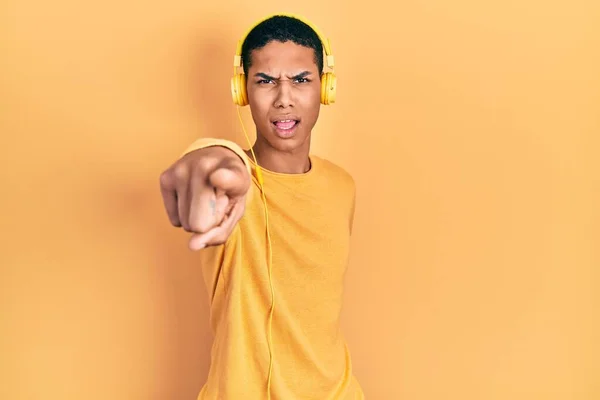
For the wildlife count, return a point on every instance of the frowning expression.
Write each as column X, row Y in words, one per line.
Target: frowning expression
column 284, row 89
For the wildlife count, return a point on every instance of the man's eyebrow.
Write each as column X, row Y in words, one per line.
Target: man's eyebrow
column 264, row 76
column 301, row 75
column 268, row 77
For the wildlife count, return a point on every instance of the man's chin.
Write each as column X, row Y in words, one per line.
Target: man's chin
column 287, row 144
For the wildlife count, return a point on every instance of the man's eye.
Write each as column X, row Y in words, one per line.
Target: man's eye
column 264, row 81
column 302, row 80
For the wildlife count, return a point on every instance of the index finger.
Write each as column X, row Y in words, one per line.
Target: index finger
column 231, row 178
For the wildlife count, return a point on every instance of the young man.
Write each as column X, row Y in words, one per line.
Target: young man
column 273, row 265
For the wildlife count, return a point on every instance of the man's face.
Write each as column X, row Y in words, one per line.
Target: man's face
column 284, row 91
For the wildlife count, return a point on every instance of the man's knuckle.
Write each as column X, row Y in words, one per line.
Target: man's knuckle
column 166, row 179
column 202, row 167
column 180, row 171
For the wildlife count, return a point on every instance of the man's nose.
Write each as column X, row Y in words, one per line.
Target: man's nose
column 284, row 96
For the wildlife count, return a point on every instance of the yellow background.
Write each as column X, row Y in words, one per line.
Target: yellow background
column 471, row 128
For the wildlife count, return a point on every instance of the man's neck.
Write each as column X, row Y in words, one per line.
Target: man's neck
column 297, row 162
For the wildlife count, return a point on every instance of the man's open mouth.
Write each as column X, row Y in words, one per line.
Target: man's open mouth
column 286, row 124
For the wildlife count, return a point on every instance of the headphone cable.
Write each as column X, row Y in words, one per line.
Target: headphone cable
column 259, row 177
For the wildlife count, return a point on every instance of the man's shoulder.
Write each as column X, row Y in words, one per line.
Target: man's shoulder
column 334, row 172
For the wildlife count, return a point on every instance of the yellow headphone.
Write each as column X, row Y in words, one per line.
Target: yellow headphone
column 328, row 79
column 240, row 98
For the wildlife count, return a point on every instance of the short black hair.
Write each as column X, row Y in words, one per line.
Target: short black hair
column 281, row 28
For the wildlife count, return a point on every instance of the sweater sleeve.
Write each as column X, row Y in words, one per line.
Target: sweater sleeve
column 208, row 142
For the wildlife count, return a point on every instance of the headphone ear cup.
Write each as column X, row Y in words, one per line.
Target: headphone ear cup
column 234, row 90
column 328, row 88
column 238, row 90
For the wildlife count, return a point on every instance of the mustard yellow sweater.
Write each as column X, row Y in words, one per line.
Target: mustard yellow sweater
column 310, row 217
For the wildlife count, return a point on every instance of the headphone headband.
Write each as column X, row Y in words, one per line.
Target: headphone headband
column 237, row 59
